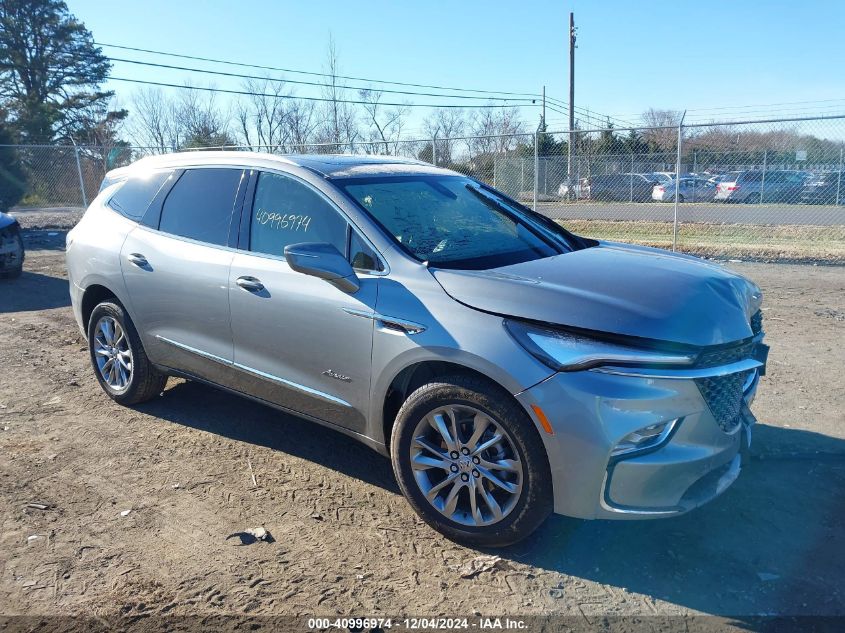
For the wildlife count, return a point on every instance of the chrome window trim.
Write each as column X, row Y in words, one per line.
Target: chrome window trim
column 187, row 240
column 257, row 372
column 281, row 172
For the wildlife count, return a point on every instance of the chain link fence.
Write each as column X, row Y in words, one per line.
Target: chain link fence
column 771, row 190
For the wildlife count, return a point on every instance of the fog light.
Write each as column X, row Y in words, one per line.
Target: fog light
column 645, row 438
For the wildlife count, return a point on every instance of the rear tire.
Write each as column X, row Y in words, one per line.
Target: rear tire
column 517, row 467
column 118, row 357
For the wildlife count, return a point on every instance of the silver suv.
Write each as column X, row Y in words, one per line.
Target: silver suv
column 508, row 367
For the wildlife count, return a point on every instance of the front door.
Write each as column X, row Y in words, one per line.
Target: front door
column 297, row 339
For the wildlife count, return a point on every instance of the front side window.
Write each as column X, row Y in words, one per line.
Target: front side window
column 137, row 192
column 200, row 205
column 287, row 211
column 451, row 221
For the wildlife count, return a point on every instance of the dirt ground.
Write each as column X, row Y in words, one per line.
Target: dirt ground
column 140, row 502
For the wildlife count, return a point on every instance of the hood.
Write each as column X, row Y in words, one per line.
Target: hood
column 6, row 220
column 617, row 289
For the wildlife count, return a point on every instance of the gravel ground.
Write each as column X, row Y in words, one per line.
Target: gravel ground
column 140, row 502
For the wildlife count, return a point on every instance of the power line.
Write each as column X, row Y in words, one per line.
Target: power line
column 322, row 99
column 530, row 95
column 312, row 83
column 514, row 96
column 766, row 105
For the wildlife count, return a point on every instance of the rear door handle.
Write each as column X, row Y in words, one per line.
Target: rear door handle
column 139, row 260
column 250, row 283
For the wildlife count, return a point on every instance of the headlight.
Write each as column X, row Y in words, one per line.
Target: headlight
column 563, row 351
column 645, row 438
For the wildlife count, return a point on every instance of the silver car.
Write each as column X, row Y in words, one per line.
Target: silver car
column 690, row 189
column 508, row 367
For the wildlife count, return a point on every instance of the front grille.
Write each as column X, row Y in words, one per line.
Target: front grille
column 725, row 355
column 723, row 395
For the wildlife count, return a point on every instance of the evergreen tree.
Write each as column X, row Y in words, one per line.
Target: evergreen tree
column 50, row 70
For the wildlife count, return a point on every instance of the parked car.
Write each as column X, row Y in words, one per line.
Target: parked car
column 580, row 190
column 621, row 187
column 661, row 177
column 11, row 247
column 689, row 190
column 508, row 367
column 754, row 186
column 824, row 188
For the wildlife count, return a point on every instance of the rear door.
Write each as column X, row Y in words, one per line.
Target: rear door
column 299, row 341
column 176, row 268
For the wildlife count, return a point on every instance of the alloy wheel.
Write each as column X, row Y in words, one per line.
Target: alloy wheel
column 112, row 353
column 466, row 465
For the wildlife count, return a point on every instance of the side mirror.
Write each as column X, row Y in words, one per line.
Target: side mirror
column 324, row 261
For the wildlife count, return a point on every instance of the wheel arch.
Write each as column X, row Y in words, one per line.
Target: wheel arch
column 93, row 295
column 413, row 376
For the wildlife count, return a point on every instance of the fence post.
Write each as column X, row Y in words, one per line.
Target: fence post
column 839, row 178
column 521, row 173
column 536, row 167
column 79, row 171
column 695, row 171
column 763, row 179
column 434, row 150
column 677, row 183
column 631, row 179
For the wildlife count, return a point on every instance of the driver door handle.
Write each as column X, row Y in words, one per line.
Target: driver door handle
column 251, row 284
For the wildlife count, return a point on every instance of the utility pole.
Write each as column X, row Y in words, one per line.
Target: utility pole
column 571, row 100
column 544, row 106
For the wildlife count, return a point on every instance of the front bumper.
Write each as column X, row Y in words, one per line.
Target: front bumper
column 591, row 411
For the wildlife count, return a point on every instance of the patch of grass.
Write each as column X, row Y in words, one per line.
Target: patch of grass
column 770, row 242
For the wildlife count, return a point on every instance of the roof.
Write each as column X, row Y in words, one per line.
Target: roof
column 328, row 165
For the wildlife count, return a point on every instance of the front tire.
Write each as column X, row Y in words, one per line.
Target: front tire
column 118, row 357
column 471, row 463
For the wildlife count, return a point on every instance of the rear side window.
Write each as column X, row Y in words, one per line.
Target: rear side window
column 200, row 205
column 287, row 211
column 136, row 194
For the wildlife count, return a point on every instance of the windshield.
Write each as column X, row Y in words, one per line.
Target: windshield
column 454, row 222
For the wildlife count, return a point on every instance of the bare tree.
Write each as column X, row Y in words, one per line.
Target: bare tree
column 663, row 128
column 386, row 124
column 301, row 124
column 151, row 123
column 445, row 124
column 340, row 127
column 496, row 129
column 200, row 122
column 262, row 116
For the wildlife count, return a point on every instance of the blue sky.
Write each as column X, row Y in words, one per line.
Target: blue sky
column 631, row 55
